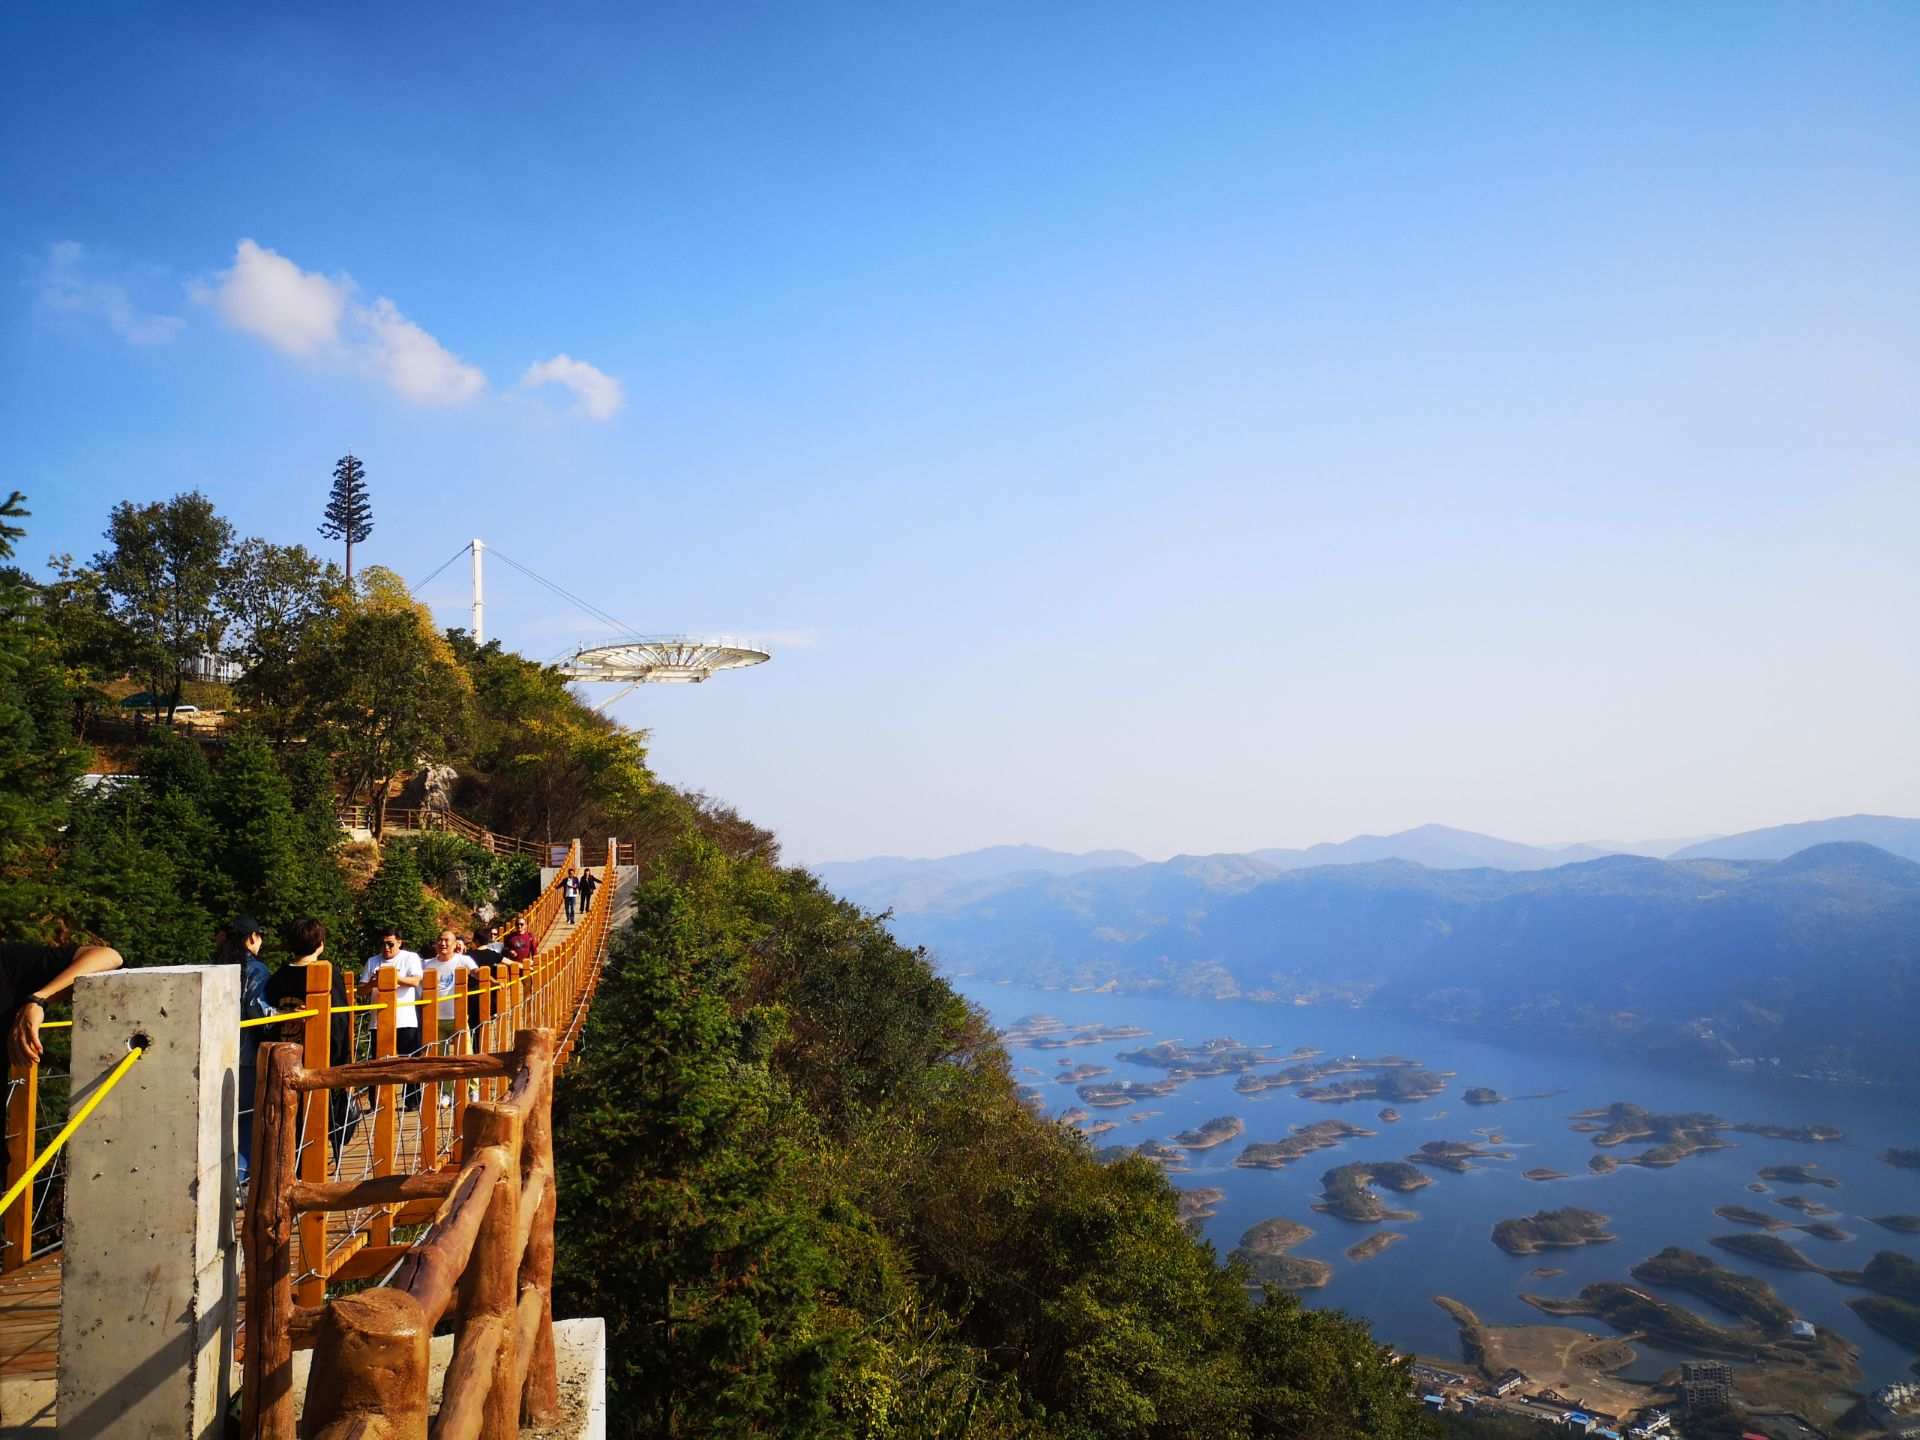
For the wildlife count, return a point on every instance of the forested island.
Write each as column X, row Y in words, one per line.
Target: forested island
column 1347, row 1190
column 1548, row 1229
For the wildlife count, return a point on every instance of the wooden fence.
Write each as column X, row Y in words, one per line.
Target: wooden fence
column 415, row 819
column 487, row 1258
column 317, row 1218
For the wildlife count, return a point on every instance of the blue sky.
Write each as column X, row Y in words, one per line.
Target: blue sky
column 1181, row 428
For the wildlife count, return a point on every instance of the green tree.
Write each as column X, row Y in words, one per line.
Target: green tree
column 39, row 761
column 382, row 687
column 163, row 574
column 349, row 512
column 394, row 897
column 274, row 597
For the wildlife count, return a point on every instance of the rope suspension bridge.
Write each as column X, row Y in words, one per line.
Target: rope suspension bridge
column 448, row 1206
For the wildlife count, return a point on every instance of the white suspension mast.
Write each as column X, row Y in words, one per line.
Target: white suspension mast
column 479, row 596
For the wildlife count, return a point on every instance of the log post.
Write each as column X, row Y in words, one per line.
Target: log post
column 23, row 1112
column 316, row 1141
column 369, row 1364
column 464, row 981
column 487, row 1292
column 540, row 1396
column 429, row 1013
column 386, row 1115
column 269, row 1361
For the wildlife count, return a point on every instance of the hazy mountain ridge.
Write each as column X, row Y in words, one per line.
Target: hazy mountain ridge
column 1890, row 833
column 1814, row 958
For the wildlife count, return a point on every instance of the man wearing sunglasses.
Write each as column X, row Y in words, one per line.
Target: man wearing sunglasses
column 408, row 968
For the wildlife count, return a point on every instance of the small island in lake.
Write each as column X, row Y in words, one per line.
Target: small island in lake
column 1483, row 1095
column 1216, row 1131
column 1675, row 1136
column 1389, row 1115
column 1453, row 1155
column 1904, row 1159
column 1797, row 1175
column 1895, row 1319
column 1263, row 1250
column 1112, row 1093
column 1603, row 1164
column 1804, row 1205
column 1805, row 1134
column 1821, row 1230
column 1900, row 1224
column 1224, row 1056
column 1321, row 1135
column 1737, row 1294
column 1542, row 1173
column 1374, row 1244
column 1744, row 1215
column 1347, row 1190
column 1546, row 1272
column 1198, row 1204
column 1767, row 1249
column 1551, row 1229
column 1073, row 1075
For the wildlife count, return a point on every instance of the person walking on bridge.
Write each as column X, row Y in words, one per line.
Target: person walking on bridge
column 31, row 976
column 407, row 967
column 570, row 892
column 589, row 883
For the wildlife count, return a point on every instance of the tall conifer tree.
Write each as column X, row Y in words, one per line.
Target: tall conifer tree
column 349, row 513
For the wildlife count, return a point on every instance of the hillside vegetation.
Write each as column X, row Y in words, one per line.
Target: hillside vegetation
column 795, row 1176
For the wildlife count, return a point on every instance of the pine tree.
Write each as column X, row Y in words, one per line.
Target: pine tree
column 349, row 513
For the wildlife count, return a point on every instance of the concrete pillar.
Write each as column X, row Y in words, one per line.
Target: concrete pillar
column 149, row 1297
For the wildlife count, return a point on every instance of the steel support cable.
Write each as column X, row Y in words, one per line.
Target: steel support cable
column 594, row 610
column 66, row 1131
column 419, row 584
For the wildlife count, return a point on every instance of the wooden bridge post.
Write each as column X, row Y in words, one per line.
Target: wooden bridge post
column 23, row 1113
column 540, row 1395
column 487, row 1296
column 386, row 1115
column 370, row 1369
column 429, row 1032
column 316, row 1135
column 268, row 1411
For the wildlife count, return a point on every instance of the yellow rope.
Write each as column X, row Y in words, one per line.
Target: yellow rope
column 66, row 1131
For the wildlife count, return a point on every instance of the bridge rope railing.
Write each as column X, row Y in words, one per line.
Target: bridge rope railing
column 31, row 1219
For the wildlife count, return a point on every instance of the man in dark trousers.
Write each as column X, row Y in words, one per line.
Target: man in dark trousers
column 589, row 883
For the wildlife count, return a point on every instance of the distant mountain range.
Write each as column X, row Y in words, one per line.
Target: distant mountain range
column 893, row 882
column 1739, row 949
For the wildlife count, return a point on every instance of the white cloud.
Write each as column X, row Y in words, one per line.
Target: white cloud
column 67, row 288
column 598, row 394
column 268, row 296
column 415, row 364
column 315, row 317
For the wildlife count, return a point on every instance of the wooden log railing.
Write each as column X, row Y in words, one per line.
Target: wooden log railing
column 296, row 1245
column 556, row 986
column 410, row 819
column 486, row 1258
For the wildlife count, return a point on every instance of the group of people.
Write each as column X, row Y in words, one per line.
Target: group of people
column 577, row 890
column 264, row 994
column 33, row 975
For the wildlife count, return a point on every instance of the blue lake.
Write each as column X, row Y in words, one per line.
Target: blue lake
column 1447, row 1249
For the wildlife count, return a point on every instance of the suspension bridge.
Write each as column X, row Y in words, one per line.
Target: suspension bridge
column 446, row 1209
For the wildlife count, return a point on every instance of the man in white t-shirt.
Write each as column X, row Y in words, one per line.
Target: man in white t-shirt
column 408, row 968
column 448, row 959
